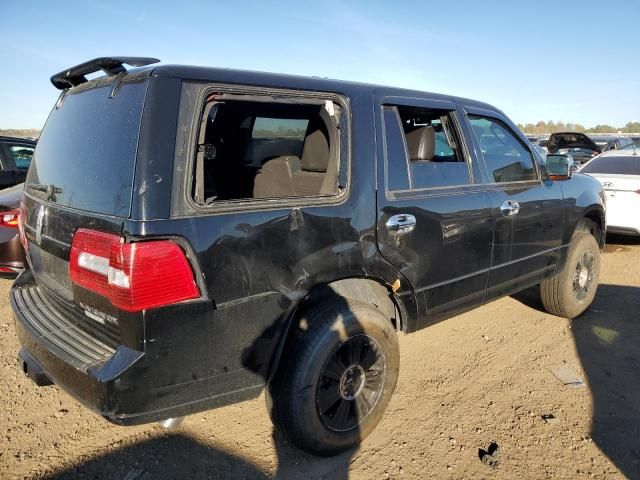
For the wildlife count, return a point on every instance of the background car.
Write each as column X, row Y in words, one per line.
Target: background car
column 619, row 173
column 610, row 142
column 12, row 257
column 15, row 158
column 578, row 145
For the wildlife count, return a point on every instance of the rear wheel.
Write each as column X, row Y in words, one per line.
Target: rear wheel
column 336, row 377
column 570, row 292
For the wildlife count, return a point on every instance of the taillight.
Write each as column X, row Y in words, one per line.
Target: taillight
column 132, row 276
column 10, row 218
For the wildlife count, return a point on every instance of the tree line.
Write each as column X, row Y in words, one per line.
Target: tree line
column 20, row 132
column 552, row 127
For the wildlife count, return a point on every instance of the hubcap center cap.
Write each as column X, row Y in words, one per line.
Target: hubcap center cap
column 583, row 277
column 352, row 382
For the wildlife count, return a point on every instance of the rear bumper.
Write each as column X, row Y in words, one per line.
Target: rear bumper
column 123, row 385
column 54, row 348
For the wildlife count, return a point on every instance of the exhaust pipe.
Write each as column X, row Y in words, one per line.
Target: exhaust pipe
column 33, row 369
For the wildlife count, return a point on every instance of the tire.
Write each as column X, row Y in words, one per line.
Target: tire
column 570, row 292
column 336, row 377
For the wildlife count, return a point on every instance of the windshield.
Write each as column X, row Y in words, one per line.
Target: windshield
column 635, row 146
column 627, row 165
column 88, row 147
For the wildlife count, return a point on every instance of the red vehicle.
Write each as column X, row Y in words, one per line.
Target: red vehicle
column 12, row 258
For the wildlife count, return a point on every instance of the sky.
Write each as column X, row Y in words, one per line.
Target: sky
column 546, row 60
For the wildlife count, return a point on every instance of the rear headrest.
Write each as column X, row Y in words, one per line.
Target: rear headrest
column 421, row 143
column 315, row 152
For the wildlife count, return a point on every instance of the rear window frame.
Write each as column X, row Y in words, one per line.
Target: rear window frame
column 191, row 107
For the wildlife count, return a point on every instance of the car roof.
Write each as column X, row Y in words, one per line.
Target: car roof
column 619, row 153
column 604, row 137
column 569, row 133
column 280, row 80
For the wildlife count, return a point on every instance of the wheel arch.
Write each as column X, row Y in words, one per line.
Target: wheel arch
column 596, row 216
column 369, row 290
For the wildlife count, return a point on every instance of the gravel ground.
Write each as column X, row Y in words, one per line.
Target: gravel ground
column 478, row 378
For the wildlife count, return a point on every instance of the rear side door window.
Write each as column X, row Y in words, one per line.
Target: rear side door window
column 423, row 149
column 506, row 158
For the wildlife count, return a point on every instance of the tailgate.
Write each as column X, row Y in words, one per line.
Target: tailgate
column 81, row 176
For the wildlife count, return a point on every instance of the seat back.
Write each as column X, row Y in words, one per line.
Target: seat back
column 421, row 144
column 275, row 178
column 315, row 160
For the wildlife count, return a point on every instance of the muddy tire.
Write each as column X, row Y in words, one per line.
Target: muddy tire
column 571, row 291
column 337, row 375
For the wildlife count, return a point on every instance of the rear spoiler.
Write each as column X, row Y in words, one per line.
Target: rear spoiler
column 74, row 76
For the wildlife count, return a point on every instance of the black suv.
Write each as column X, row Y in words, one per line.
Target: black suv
column 15, row 158
column 198, row 234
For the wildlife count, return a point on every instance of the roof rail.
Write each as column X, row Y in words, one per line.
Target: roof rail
column 74, row 76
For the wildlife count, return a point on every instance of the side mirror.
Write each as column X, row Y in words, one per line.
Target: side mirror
column 560, row 167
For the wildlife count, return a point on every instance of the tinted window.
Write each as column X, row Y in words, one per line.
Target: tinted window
column 632, row 146
column 506, row 158
column 22, row 155
column 613, row 165
column 88, row 149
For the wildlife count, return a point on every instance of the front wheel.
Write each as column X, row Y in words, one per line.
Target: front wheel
column 571, row 291
column 336, row 377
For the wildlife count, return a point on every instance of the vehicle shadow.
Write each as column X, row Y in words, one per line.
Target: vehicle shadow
column 607, row 338
column 178, row 456
column 173, row 456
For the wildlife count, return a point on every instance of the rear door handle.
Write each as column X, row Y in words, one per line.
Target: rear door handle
column 510, row 207
column 401, row 223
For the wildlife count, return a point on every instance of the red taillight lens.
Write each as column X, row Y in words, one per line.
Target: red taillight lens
column 150, row 274
column 10, row 218
column 133, row 276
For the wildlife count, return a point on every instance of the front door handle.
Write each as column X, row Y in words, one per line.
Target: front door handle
column 401, row 223
column 510, row 207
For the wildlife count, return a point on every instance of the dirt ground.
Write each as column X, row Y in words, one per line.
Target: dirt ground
column 478, row 378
